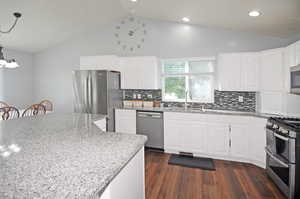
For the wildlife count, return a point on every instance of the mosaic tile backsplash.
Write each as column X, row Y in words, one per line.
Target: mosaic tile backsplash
column 224, row 100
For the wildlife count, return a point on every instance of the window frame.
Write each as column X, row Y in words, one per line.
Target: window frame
column 187, row 75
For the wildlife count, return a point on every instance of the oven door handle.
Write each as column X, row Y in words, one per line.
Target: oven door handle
column 281, row 137
column 275, row 158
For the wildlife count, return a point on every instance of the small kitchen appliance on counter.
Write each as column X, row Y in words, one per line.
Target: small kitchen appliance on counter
column 283, row 154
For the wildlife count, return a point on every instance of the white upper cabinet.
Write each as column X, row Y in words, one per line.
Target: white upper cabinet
column 130, row 72
column 238, row 71
column 139, row 73
column 271, row 102
column 229, row 72
column 105, row 62
column 291, row 58
column 297, row 49
column 136, row 72
column 290, row 54
column 272, row 81
column 249, row 72
column 271, row 70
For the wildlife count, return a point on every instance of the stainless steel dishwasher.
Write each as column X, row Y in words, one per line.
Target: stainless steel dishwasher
column 151, row 124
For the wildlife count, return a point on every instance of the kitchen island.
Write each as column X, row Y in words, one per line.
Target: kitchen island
column 67, row 156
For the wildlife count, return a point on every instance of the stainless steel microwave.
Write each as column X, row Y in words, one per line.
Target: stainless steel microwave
column 295, row 79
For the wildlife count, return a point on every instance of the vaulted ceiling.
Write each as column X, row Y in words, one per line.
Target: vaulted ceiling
column 47, row 23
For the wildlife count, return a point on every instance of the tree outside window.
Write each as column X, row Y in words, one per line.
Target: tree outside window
column 193, row 76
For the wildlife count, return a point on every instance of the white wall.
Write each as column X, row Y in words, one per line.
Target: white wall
column 16, row 85
column 52, row 67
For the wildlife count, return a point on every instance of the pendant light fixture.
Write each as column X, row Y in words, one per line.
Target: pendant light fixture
column 9, row 63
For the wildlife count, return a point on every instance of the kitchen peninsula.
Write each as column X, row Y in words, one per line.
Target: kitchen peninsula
column 68, row 156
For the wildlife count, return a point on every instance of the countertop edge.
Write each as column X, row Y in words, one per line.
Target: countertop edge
column 109, row 180
column 232, row 113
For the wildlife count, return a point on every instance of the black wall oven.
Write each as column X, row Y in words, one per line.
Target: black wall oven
column 295, row 80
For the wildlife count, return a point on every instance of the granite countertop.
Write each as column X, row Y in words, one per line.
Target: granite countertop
column 61, row 156
column 199, row 111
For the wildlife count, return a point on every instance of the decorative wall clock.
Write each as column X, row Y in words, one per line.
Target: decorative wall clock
column 130, row 33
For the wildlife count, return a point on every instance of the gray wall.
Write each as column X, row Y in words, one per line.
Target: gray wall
column 16, row 85
column 52, row 67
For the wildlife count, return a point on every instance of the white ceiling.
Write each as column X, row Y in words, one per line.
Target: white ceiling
column 46, row 23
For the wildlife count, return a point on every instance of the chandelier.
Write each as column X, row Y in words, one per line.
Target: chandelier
column 9, row 63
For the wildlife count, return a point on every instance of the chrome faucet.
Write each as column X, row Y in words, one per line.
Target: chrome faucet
column 186, row 98
column 202, row 108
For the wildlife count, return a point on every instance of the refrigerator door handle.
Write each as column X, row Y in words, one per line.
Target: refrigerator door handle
column 90, row 94
column 89, row 102
column 76, row 94
column 86, row 94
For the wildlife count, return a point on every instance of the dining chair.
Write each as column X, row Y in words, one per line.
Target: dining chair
column 9, row 112
column 3, row 104
column 48, row 105
column 35, row 109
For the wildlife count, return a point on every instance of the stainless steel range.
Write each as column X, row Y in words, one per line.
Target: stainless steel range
column 283, row 154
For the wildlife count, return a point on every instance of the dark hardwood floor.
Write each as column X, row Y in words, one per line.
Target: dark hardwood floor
column 231, row 180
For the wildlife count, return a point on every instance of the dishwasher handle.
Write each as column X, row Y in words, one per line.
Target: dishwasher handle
column 149, row 114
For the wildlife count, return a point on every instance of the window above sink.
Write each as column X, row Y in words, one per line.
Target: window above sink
column 194, row 76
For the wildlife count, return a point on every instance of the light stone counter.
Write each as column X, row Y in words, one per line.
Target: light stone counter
column 61, row 156
column 199, row 111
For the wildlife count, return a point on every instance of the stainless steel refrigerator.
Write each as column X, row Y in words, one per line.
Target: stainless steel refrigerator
column 97, row 91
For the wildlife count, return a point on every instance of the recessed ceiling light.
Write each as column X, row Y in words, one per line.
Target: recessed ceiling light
column 134, row 1
column 254, row 13
column 185, row 19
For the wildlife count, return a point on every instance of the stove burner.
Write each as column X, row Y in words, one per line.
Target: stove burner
column 291, row 123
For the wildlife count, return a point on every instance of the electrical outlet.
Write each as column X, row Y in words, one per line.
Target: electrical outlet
column 241, row 99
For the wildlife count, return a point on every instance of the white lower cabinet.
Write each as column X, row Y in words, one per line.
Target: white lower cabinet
column 184, row 136
column 257, row 142
column 191, row 136
column 184, row 132
column 239, row 141
column 217, row 139
column 125, row 121
column 130, row 182
column 172, row 131
column 192, row 133
column 238, row 138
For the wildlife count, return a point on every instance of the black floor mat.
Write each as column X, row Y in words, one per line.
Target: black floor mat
column 193, row 162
